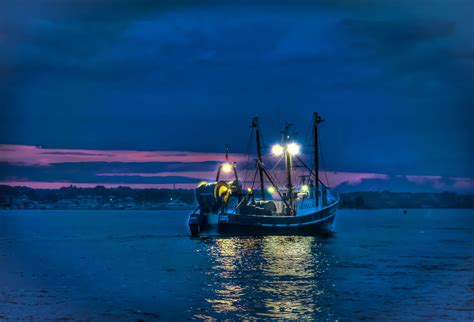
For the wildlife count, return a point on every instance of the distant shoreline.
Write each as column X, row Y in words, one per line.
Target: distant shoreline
column 192, row 209
column 125, row 198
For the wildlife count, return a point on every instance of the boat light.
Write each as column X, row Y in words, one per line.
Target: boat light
column 227, row 167
column 304, row 188
column 249, row 190
column 293, row 148
column 277, row 149
column 271, row 189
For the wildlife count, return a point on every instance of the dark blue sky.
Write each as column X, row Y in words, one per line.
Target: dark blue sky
column 394, row 79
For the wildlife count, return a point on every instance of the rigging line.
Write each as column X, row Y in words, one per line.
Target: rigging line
column 309, row 131
column 303, row 175
column 311, row 173
column 308, row 142
column 269, row 162
column 277, row 163
column 324, row 164
column 254, row 177
column 274, row 178
column 272, row 171
column 274, row 166
column 277, row 190
column 264, row 145
column 249, row 146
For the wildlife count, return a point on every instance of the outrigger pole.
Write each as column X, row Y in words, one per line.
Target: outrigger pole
column 316, row 120
column 255, row 125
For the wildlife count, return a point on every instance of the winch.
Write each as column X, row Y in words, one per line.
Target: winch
column 213, row 196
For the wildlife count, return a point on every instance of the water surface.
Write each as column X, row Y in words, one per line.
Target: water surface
column 143, row 265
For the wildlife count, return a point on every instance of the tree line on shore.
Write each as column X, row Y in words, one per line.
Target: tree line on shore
column 358, row 200
column 9, row 193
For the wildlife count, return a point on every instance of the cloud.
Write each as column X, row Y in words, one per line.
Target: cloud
column 411, row 183
column 33, row 155
column 40, row 167
column 401, row 32
column 154, row 75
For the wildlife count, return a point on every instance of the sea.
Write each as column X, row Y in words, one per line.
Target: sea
column 143, row 266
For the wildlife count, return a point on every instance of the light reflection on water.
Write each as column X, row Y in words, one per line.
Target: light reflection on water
column 266, row 277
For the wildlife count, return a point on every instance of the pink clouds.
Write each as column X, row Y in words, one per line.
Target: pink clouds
column 205, row 175
column 464, row 183
column 435, row 181
column 25, row 156
column 33, row 155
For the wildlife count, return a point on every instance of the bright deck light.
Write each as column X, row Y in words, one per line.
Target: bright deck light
column 304, row 188
column 293, row 148
column 271, row 189
column 227, row 167
column 277, row 149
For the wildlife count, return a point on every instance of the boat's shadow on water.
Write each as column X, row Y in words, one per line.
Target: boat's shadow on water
column 274, row 276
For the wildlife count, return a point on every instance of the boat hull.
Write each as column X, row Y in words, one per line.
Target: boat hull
column 199, row 223
column 320, row 222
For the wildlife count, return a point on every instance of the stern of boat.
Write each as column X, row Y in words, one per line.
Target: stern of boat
column 196, row 222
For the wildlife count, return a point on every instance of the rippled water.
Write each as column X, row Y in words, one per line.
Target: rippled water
column 289, row 279
column 131, row 265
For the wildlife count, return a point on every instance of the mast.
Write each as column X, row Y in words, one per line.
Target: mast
column 255, row 125
column 316, row 120
column 288, row 164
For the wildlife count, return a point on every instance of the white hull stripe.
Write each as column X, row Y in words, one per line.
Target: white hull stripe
column 300, row 224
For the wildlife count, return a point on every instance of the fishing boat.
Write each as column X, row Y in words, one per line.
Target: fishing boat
column 307, row 206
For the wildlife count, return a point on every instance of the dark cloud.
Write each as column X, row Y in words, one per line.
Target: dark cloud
column 89, row 172
column 396, row 89
column 402, row 32
column 61, row 170
column 403, row 184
